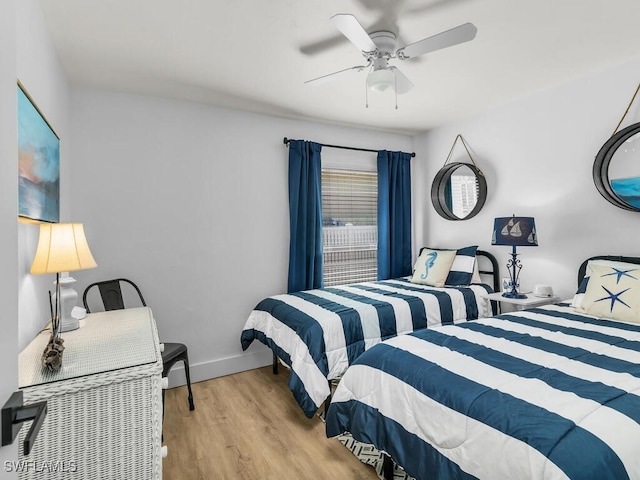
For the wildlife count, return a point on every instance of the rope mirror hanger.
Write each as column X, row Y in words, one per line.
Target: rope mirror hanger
column 623, row 190
column 459, row 189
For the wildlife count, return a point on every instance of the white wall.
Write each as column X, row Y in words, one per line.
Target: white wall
column 26, row 54
column 537, row 154
column 190, row 202
column 40, row 72
column 8, row 225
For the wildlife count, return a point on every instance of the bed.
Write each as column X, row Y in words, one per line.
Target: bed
column 551, row 392
column 319, row 333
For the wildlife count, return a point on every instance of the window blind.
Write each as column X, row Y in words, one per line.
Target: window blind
column 350, row 232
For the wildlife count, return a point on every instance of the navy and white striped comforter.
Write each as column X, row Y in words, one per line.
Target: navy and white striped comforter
column 319, row 333
column 539, row 394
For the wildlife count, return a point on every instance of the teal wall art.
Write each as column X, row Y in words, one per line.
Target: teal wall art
column 38, row 163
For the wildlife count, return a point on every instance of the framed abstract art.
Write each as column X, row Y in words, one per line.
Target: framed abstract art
column 38, row 163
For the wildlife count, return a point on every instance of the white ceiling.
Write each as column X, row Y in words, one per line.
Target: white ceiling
column 256, row 54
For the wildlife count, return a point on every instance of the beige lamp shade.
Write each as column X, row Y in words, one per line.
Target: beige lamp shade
column 62, row 247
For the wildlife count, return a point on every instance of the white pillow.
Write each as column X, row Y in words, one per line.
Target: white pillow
column 475, row 278
column 461, row 271
column 578, row 297
column 432, row 267
column 613, row 292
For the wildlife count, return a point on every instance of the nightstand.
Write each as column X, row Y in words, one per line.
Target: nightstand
column 522, row 303
column 104, row 417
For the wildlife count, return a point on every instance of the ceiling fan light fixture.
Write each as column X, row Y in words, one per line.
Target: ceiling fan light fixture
column 381, row 80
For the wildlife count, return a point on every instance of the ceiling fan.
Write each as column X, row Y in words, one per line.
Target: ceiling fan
column 379, row 47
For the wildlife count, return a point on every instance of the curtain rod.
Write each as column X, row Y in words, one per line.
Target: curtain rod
column 286, row 142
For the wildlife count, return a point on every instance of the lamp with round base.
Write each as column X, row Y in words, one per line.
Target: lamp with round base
column 62, row 247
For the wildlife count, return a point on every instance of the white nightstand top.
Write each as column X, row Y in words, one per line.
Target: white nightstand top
column 530, row 301
column 108, row 341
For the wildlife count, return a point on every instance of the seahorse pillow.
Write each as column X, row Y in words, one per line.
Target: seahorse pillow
column 464, row 268
column 613, row 292
column 432, row 267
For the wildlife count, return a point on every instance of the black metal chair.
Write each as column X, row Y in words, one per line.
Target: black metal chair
column 112, row 299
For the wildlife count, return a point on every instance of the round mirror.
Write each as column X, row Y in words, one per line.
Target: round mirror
column 616, row 170
column 459, row 191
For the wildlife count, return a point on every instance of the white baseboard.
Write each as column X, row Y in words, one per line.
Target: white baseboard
column 219, row 368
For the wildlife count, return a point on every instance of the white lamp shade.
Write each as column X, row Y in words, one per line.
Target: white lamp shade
column 380, row 80
column 62, row 247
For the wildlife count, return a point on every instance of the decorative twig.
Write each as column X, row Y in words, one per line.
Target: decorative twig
column 56, row 318
column 51, row 307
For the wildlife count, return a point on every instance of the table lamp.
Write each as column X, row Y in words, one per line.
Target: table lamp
column 62, row 247
column 515, row 232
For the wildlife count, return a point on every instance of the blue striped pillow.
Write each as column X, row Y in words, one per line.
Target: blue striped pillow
column 461, row 270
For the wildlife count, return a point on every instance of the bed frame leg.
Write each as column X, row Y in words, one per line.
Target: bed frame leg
column 327, row 402
column 387, row 467
column 275, row 364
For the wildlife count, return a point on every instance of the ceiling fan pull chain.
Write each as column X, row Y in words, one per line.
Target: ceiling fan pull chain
column 395, row 88
column 366, row 96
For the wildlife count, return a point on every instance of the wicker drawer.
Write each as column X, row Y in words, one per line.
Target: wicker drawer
column 104, row 417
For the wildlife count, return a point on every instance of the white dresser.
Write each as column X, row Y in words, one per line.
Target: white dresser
column 104, row 418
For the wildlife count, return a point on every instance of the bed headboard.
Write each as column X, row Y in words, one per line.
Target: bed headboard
column 495, row 270
column 615, row 258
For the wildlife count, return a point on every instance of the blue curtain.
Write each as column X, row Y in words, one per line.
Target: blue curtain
column 394, row 214
column 305, row 216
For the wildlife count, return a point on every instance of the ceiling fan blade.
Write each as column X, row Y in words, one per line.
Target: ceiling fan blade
column 460, row 34
column 334, row 75
column 349, row 26
column 403, row 84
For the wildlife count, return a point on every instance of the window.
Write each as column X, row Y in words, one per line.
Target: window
column 349, row 226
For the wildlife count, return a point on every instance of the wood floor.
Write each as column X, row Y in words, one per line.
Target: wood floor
column 248, row 426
